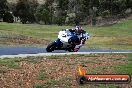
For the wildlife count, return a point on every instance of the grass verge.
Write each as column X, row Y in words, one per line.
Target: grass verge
column 118, row 36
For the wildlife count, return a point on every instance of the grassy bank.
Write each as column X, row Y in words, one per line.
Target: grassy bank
column 59, row 71
column 118, row 36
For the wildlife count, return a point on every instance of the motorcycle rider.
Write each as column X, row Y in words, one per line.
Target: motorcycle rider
column 75, row 36
column 82, row 35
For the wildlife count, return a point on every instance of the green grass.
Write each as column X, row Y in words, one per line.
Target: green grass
column 42, row 75
column 32, row 30
column 11, row 63
column 118, row 36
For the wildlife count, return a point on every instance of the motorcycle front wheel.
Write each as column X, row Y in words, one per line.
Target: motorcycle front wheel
column 50, row 47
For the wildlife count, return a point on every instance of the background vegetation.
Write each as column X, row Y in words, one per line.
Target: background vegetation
column 64, row 11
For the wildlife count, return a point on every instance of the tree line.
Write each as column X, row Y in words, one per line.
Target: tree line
column 63, row 11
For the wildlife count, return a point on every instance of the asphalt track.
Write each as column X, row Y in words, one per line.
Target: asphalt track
column 33, row 51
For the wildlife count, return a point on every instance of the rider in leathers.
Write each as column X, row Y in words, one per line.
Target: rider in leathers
column 79, row 36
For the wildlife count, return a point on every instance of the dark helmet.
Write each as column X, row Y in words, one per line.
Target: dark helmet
column 78, row 29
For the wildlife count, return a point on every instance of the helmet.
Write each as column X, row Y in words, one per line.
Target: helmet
column 78, row 29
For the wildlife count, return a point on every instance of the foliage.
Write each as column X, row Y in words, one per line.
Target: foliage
column 44, row 13
column 63, row 4
column 8, row 17
column 25, row 10
column 61, row 9
column 103, row 8
column 3, row 8
column 56, row 11
column 5, row 13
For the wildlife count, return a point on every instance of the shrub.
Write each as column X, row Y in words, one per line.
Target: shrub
column 8, row 17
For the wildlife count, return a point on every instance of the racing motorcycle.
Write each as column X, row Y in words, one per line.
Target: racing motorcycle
column 68, row 40
column 59, row 44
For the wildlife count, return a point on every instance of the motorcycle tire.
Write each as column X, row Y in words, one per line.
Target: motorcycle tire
column 50, row 47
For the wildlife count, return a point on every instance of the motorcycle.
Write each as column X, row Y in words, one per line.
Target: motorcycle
column 61, row 45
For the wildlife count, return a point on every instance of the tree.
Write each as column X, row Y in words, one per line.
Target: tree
column 129, row 4
column 25, row 10
column 113, row 7
column 44, row 12
column 5, row 13
column 61, row 10
column 89, row 7
column 3, row 7
column 33, row 7
column 8, row 17
column 94, row 8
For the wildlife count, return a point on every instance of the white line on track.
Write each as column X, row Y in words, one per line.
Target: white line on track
column 50, row 54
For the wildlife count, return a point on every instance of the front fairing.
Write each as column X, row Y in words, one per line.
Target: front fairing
column 62, row 45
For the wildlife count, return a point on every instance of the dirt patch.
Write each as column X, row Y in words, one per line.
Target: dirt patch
column 58, row 72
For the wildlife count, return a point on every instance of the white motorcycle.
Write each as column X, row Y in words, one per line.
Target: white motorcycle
column 66, row 41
